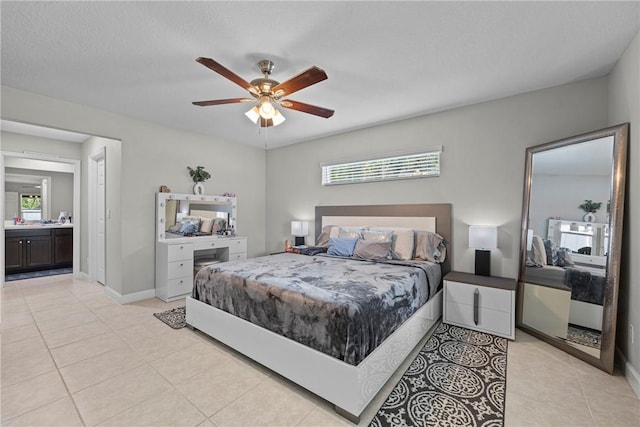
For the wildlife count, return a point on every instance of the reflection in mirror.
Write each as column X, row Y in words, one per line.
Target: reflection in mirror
column 572, row 219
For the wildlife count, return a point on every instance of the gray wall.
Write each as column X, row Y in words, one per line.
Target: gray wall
column 482, row 165
column 153, row 155
column 558, row 196
column 624, row 106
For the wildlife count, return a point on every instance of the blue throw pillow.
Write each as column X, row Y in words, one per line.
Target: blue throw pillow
column 341, row 246
column 188, row 228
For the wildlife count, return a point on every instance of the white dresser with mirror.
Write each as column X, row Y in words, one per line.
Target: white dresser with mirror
column 178, row 255
column 587, row 240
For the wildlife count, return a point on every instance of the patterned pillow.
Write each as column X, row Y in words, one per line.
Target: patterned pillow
column 379, row 235
column 350, row 232
column 372, row 250
column 430, row 246
column 564, row 258
column 341, row 246
column 403, row 242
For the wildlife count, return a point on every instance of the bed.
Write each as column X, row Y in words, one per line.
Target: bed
column 584, row 286
column 355, row 344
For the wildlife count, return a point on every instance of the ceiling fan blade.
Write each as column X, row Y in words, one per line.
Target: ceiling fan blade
column 307, row 108
column 225, row 72
column 305, row 79
column 222, row 101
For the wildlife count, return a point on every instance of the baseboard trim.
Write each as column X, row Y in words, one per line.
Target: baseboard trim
column 82, row 276
column 632, row 376
column 126, row 299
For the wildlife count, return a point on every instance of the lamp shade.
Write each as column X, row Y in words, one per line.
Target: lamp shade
column 299, row 228
column 483, row 237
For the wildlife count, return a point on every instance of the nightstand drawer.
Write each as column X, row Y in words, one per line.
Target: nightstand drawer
column 491, row 321
column 180, row 252
column 180, row 286
column 180, row 269
column 489, row 298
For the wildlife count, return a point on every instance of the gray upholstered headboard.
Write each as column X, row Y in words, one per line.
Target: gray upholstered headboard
column 440, row 211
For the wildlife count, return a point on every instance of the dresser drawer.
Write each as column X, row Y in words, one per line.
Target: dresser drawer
column 180, row 269
column 491, row 321
column 236, row 246
column 237, row 256
column 489, row 298
column 211, row 244
column 180, row 286
column 179, row 252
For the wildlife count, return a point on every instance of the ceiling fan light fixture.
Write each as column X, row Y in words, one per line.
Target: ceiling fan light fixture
column 266, row 109
column 253, row 114
column 278, row 118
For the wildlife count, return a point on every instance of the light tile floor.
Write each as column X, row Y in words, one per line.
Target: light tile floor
column 72, row 356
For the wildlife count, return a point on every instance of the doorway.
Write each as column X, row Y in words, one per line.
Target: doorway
column 41, row 257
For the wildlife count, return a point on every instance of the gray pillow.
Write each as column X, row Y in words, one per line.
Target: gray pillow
column 538, row 252
column 430, row 246
column 323, row 239
column 379, row 235
column 372, row 250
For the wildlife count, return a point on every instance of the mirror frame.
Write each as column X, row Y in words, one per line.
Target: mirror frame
column 610, row 308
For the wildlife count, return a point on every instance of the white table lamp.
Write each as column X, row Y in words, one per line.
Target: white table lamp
column 299, row 229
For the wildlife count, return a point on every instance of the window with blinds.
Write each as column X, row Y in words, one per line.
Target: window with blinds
column 400, row 166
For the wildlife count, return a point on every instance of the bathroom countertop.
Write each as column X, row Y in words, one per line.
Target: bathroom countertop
column 36, row 226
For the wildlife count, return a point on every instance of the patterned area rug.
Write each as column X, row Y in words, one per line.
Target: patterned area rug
column 584, row 336
column 457, row 379
column 174, row 317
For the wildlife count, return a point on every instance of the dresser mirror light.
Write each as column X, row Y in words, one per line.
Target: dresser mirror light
column 569, row 259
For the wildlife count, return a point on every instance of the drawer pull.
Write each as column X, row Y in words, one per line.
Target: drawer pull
column 181, row 265
column 476, row 300
column 213, row 244
column 28, row 241
column 181, row 247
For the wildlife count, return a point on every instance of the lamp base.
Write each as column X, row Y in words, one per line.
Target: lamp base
column 299, row 240
column 483, row 263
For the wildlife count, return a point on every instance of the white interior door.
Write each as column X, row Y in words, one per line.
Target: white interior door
column 101, row 223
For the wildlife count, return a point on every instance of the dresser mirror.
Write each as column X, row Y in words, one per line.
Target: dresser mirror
column 571, row 243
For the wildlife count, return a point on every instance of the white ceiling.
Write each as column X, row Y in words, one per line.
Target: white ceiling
column 385, row 60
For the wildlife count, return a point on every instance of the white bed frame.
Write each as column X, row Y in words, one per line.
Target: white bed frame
column 350, row 388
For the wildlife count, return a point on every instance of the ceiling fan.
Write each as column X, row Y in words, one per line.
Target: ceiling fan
column 268, row 92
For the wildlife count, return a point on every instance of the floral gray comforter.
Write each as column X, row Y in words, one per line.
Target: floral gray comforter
column 342, row 307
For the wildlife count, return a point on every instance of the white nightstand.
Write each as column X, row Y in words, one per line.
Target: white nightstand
column 481, row 303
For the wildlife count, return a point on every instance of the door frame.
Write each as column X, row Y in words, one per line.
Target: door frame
column 92, row 213
column 77, row 220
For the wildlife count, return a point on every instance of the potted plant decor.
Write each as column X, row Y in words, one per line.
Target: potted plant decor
column 590, row 208
column 198, row 175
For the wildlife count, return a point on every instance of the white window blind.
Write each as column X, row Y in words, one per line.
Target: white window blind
column 399, row 166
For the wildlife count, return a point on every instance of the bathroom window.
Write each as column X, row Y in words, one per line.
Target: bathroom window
column 31, row 207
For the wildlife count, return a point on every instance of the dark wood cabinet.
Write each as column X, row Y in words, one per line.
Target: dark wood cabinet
column 39, row 249
column 15, row 253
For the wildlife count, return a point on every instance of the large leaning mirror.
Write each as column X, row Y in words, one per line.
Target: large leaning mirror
column 571, row 243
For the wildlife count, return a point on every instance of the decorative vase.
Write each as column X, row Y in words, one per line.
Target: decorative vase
column 198, row 188
column 589, row 217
